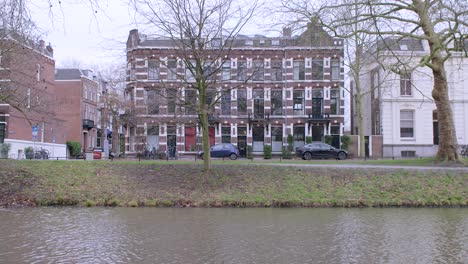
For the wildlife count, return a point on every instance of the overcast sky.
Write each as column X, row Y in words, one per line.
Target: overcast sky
column 79, row 34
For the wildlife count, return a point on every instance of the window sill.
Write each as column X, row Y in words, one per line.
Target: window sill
column 407, row 139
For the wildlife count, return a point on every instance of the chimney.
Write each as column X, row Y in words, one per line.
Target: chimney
column 50, row 50
column 287, row 32
column 41, row 44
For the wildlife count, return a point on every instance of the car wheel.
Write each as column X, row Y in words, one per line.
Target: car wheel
column 233, row 156
column 341, row 155
column 307, row 156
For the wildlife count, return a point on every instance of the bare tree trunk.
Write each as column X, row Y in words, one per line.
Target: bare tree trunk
column 362, row 145
column 203, row 114
column 448, row 140
column 115, row 136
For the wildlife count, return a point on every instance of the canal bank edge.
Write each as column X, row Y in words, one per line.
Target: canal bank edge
column 133, row 184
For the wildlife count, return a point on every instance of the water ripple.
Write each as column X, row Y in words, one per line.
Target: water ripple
column 167, row 235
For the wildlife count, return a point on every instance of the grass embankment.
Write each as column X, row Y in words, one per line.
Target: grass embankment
column 235, row 185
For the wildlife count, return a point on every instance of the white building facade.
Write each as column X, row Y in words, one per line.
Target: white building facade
column 398, row 104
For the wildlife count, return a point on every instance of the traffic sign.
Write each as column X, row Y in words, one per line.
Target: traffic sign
column 35, row 130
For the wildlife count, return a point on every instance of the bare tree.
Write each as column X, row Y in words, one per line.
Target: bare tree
column 202, row 33
column 442, row 23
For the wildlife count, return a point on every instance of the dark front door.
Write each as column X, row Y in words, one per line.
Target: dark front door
column 171, row 146
column 242, row 141
column 317, row 133
column 366, row 145
column 335, row 141
column 242, row 145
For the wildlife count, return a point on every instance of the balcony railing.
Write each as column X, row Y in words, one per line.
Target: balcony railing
column 258, row 117
column 318, row 117
column 88, row 123
column 213, row 118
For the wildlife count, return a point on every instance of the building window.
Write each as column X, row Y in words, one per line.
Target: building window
column 276, row 139
column 211, row 97
column 132, row 71
column 259, row 71
column 226, row 71
column 276, row 102
column 405, row 84
column 226, row 103
column 2, row 132
column 335, row 70
column 299, row 70
column 241, row 102
column 172, row 70
column 277, row 71
column 298, row 102
column 152, row 102
column 38, row 72
column 334, row 129
column 435, row 127
column 317, row 69
column 241, row 70
column 171, row 101
column 335, row 101
column 225, row 134
column 259, row 104
column 258, row 135
column 190, row 70
column 406, row 123
column 317, row 101
column 153, row 70
column 191, row 102
column 408, row 154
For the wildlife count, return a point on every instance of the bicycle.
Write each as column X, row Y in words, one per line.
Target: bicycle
column 464, row 151
column 41, row 154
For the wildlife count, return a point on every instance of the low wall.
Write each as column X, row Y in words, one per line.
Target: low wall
column 18, row 146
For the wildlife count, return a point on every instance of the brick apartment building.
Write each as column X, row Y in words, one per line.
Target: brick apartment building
column 27, row 79
column 295, row 87
column 78, row 90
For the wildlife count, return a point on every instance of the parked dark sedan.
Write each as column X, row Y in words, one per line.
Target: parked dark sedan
column 321, row 151
column 222, row 151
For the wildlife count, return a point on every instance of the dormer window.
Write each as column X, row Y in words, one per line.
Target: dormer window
column 403, row 47
column 249, row 42
column 275, row 42
column 405, row 84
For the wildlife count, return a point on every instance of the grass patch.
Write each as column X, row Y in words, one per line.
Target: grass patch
column 230, row 184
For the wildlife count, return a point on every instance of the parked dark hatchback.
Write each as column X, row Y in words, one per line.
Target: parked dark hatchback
column 222, row 151
column 321, row 151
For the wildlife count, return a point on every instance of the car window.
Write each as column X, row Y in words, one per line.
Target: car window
column 217, row 147
column 315, row 146
column 325, row 146
column 226, row 146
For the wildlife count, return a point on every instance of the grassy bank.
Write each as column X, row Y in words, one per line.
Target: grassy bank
column 230, row 184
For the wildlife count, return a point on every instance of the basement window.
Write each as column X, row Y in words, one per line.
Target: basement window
column 408, row 154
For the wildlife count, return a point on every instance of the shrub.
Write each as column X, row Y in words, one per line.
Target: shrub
column 74, row 147
column 328, row 139
column 290, row 142
column 161, row 153
column 249, row 152
column 4, row 150
column 267, row 152
column 29, row 152
column 308, row 140
column 286, row 153
column 345, row 140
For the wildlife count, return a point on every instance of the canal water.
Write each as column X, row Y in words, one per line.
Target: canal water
column 202, row 235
